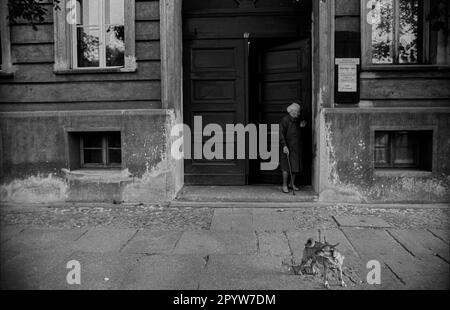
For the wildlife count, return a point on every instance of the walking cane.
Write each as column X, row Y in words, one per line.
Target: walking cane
column 290, row 172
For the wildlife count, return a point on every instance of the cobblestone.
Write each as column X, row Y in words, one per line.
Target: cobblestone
column 413, row 218
column 168, row 218
column 150, row 217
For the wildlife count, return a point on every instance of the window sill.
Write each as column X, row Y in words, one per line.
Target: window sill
column 113, row 175
column 397, row 173
column 94, row 70
column 405, row 68
column 6, row 74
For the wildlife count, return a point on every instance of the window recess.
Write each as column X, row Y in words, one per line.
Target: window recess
column 410, row 150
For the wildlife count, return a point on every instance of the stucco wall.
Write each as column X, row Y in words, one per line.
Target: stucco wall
column 350, row 159
column 34, row 86
column 35, row 157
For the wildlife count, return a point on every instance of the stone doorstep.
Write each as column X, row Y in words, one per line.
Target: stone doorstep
column 246, row 193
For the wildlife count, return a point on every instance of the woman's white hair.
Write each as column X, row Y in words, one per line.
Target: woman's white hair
column 293, row 107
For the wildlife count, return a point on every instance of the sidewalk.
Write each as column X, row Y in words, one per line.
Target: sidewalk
column 150, row 247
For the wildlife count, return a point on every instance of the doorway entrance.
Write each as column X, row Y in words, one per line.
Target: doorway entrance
column 244, row 64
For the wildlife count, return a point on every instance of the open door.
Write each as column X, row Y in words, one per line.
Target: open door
column 279, row 74
column 215, row 88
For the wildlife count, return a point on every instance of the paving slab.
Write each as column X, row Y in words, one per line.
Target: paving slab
column 223, row 211
column 26, row 270
column 42, row 238
column 253, row 272
column 242, row 221
column 273, row 244
column 259, row 272
column 443, row 234
column 213, row 242
column 39, row 238
column 234, row 219
column 376, row 244
column 407, row 268
column 361, row 221
column 101, row 240
column 422, row 243
column 222, row 220
column 148, row 241
column 99, row 271
column 9, row 231
column 273, row 220
column 163, row 272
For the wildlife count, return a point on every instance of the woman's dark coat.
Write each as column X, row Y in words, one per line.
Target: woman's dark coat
column 290, row 136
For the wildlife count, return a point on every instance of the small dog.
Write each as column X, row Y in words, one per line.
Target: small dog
column 325, row 254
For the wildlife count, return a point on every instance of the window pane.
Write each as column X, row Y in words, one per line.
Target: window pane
column 115, row 46
column 115, row 156
column 92, row 140
column 114, row 140
column 382, row 149
column 404, row 149
column 382, row 31
column 114, row 12
column 93, row 157
column 409, row 31
column 88, row 12
column 88, row 40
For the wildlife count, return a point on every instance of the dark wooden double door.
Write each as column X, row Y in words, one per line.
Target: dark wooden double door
column 241, row 81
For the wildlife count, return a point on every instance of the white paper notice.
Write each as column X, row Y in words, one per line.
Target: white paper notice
column 347, row 74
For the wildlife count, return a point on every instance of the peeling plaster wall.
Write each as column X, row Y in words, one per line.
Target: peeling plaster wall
column 35, row 189
column 35, row 163
column 164, row 179
column 350, row 175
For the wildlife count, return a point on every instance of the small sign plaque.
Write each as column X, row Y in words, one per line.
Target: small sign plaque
column 347, row 74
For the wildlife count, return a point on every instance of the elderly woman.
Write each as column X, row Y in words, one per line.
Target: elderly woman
column 290, row 142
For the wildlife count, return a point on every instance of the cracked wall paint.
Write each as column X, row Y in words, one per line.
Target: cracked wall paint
column 158, row 183
column 155, row 185
column 35, row 189
column 404, row 189
column 351, row 176
column 336, row 190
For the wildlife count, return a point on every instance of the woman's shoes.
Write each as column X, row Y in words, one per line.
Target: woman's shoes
column 295, row 188
column 285, row 189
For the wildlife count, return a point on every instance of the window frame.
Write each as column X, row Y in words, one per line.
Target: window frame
column 424, row 54
column 5, row 37
column 105, row 153
column 64, row 47
column 391, row 145
column 433, row 129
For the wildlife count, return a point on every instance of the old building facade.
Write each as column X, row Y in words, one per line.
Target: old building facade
column 89, row 99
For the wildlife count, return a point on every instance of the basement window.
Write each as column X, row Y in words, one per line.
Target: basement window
column 100, row 150
column 410, row 150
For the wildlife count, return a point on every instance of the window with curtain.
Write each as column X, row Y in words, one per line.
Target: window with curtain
column 403, row 149
column 99, row 35
column 404, row 32
column 396, row 32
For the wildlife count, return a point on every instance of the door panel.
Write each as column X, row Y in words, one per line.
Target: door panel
column 280, row 74
column 215, row 88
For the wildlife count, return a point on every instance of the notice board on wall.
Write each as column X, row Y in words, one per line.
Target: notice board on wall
column 347, row 80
